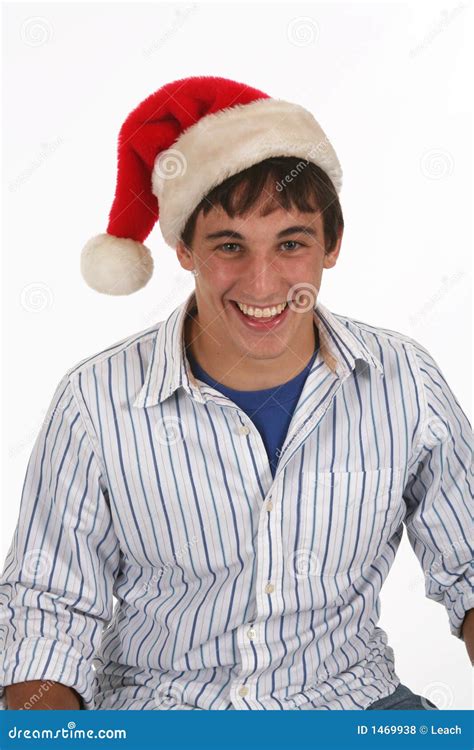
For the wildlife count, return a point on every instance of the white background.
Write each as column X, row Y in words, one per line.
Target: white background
column 388, row 84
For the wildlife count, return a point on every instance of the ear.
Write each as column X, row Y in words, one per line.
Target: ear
column 330, row 258
column 185, row 256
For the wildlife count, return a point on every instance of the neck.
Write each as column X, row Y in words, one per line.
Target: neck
column 243, row 372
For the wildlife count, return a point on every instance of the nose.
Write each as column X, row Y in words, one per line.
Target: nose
column 262, row 281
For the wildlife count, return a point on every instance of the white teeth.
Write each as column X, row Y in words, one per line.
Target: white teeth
column 262, row 312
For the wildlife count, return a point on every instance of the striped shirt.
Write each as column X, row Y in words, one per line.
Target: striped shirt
column 270, row 409
column 234, row 589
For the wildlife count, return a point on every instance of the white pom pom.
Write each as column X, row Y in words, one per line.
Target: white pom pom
column 116, row 265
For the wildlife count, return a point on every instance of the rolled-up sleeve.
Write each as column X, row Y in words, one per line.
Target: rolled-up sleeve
column 56, row 588
column 439, row 494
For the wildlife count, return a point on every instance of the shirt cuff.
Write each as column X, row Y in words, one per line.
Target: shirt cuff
column 47, row 659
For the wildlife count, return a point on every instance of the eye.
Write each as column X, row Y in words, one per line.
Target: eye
column 227, row 246
column 292, row 242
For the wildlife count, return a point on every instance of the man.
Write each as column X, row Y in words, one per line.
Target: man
column 238, row 475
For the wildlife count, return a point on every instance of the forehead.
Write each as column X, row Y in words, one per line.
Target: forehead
column 253, row 221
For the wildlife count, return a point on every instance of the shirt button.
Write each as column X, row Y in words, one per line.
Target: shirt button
column 269, row 588
column 243, row 430
column 269, row 506
column 243, row 691
column 251, row 632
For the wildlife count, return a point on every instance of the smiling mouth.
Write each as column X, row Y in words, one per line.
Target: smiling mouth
column 260, row 313
column 259, row 322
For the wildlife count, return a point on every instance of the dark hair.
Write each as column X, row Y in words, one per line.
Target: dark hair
column 291, row 182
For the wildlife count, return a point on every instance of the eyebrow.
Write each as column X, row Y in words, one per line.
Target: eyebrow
column 283, row 233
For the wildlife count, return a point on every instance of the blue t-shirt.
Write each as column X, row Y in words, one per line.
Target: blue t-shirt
column 270, row 409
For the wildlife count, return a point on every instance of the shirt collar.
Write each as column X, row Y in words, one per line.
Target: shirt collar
column 168, row 368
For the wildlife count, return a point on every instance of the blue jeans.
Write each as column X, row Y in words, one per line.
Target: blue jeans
column 403, row 699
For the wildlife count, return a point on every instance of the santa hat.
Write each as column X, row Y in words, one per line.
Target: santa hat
column 179, row 143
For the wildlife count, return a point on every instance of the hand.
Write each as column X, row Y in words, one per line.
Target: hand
column 42, row 695
column 467, row 632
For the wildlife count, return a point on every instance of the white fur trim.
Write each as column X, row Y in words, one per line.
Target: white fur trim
column 226, row 142
column 116, row 265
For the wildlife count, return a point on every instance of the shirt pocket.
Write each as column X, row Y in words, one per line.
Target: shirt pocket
column 354, row 511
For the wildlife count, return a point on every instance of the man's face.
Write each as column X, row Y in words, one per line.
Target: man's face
column 261, row 262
